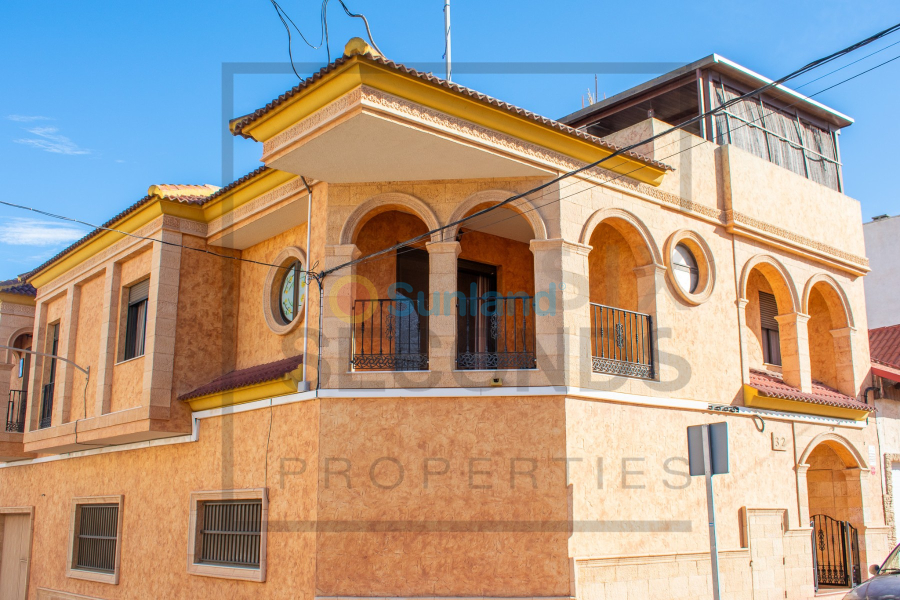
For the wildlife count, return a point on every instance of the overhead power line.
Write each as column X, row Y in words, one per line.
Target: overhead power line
column 141, row 237
column 428, row 234
column 794, row 74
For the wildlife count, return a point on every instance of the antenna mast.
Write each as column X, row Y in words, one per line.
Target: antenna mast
column 447, row 35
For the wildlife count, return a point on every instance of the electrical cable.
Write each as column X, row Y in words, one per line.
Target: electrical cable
column 631, row 147
column 141, row 237
column 290, row 43
column 686, row 135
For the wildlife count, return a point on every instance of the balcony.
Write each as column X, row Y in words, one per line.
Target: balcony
column 495, row 333
column 390, row 335
column 15, row 411
column 46, row 406
column 621, row 342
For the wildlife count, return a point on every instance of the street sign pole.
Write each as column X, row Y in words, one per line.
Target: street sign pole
column 711, row 511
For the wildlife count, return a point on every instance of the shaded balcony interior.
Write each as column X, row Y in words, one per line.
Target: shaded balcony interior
column 621, row 335
column 17, row 404
column 493, row 302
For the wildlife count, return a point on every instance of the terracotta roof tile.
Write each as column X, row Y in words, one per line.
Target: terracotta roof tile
column 884, row 345
column 187, row 194
column 18, row 287
column 244, row 377
column 239, row 123
column 772, row 385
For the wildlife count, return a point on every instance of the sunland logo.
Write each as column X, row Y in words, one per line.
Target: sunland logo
column 356, row 298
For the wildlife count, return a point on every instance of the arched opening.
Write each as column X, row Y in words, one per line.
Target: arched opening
column 622, row 279
column 18, row 384
column 391, row 293
column 769, row 295
column 830, row 350
column 495, row 290
column 836, row 513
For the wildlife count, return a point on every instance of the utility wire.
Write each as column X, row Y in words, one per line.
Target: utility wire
column 686, row 135
column 808, row 67
column 141, row 237
column 426, row 235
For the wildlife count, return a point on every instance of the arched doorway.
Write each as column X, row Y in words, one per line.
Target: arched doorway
column 622, row 274
column 830, row 329
column 18, row 384
column 834, row 489
column 495, row 326
column 391, row 293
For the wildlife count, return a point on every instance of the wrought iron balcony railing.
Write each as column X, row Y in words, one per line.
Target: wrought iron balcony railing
column 495, row 332
column 46, row 405
column 390, row 335
column 621, row 342
column 15, row 411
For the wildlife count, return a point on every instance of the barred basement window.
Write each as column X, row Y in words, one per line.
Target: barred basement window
column 95, row 539
column 230, row 533
column 95, row 548
column 227, row 535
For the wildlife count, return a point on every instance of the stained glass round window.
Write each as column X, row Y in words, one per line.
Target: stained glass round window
column 293, row 292
column 685, row 268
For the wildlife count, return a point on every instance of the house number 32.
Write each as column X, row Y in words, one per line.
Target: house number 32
column 779, row 442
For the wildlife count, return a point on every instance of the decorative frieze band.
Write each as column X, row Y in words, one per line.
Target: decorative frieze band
column 733, row 216
column 10, row 308
column 256, row 205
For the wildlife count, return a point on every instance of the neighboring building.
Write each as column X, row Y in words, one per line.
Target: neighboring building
column 883, row 283
column 884, row 345
column 449, row 444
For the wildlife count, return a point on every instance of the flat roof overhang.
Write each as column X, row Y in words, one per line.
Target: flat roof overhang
column 365, row 121
column 722, row 65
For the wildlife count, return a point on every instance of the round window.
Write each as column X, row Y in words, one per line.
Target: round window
column 684, row 267
column 293, row 292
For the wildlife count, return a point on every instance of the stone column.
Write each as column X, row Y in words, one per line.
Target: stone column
column 337, row 324
column 442, row 270
column 108, row 324
column 651, row 279
column 38, row 344
column 802, row 495
column 843, row 360
column 795, row 350
column 65, row 371
column 562, row 319
column 742, row 335
column 162, row 310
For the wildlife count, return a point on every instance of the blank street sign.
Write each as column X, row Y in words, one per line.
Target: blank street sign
column 718, row 446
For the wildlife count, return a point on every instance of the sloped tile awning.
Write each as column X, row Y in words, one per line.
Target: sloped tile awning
column 268, row 380
column 769, row 391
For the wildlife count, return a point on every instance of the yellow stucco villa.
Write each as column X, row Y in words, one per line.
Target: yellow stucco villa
column 461, row 402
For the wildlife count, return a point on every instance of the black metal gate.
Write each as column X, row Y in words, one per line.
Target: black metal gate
column 836, row 552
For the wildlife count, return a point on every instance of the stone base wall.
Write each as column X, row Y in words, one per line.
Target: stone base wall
column 775, row 563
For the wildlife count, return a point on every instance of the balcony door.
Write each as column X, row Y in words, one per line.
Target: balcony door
column 410, row 318
column 475, row 281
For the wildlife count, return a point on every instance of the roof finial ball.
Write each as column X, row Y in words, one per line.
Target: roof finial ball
column 359, row 46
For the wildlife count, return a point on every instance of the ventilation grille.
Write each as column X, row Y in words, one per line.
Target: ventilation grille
column 97, row 529
column 231, row 533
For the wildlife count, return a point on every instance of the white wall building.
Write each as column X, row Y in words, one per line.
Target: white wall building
column 882, row 284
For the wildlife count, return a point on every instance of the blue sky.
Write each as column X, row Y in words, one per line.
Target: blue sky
column 100, row 100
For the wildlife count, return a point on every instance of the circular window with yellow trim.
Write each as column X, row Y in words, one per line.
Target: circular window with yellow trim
column 284, row 293
column 689, row 266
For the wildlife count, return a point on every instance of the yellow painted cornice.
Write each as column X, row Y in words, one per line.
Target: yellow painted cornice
column 157, row 207
column 8, row 298
column 245, row 192
column 260, row 391
column 756, row 399
column 127, row 224
column 357, row 71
